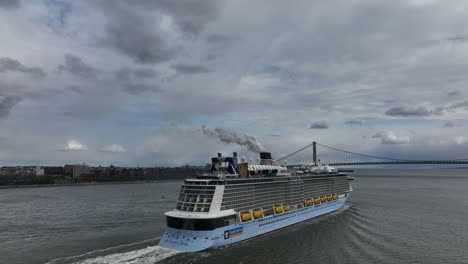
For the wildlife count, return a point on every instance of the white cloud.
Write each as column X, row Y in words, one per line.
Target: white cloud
column 114, row 148
column 389, row 137
column 73, row 145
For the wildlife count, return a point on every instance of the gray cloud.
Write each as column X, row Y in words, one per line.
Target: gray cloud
column 136, row 74
column 75, row 66
column 132, row 32
column 113, row 148
column 76, row 89
column 390, row 138
column 10, row 4
column 453, row 93
column 460, row 105
column 350, row 64
column 406, row 111
column 411, row 111
column 141, row 73
column 218, row 39
column 355, row 122
column 184, row 68
column 232, row 137
column 217, row 45
column 6, row 104
column 11, row 65
column 134, row 28
column 140, row 88
column 319, row 125
column 136, row 81
column 140, row 43
column 457, row 38
column 449, row 124
column 190, row 15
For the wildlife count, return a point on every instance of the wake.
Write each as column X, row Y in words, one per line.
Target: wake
column 147, row 255
column 125, row 254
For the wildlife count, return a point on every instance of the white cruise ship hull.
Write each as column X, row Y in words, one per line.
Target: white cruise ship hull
column 193, row 241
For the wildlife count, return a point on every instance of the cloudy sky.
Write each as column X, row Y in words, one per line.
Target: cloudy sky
column 152, row 82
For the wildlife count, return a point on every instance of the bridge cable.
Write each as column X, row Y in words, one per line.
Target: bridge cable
column 363, row 155
column 295, row 152
column 349, row 152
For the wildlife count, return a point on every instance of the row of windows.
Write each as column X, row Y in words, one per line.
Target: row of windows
column 293, row 192
column 199, row 224
column 193, row 208
column 265, row 196
column 190, row 198
column 195, row 198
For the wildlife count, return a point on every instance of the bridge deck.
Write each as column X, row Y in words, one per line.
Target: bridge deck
column 399, row 162
column 339, row 157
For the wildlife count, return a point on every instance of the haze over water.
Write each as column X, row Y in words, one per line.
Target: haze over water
column 393, row 216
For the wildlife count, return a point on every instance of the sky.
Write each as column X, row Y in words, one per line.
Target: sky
column 168, row 83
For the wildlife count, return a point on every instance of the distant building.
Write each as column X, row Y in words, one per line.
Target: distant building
column 77, row 170
column 55, row 170
column 39, row 171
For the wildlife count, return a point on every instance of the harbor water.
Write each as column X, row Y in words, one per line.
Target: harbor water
column 392, row 216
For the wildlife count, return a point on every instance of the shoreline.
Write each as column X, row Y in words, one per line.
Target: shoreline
column 81, row 184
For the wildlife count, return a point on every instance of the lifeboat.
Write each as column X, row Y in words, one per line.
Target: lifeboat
column 329, row 198
column 257, row 214
column 334, row 197
column 317, row 201
column 323, row 199
column 309, row 202
column 286, row 208
column 246, row 216
column 278, row 209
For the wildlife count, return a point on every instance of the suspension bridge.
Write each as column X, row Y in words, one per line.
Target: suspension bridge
column 339, row 157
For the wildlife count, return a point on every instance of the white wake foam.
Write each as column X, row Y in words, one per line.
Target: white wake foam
column 149, row 255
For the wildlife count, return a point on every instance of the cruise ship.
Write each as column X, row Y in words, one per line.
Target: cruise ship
column 236, row 201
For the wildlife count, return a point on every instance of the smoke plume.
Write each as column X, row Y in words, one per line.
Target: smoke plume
column 232, row 137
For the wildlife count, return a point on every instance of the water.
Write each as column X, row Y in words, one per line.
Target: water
column 393, row 216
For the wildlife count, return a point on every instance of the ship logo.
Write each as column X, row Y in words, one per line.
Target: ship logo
column 233, row 232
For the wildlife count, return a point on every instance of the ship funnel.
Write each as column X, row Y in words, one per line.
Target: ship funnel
column 265, row 155
column 220, row 155
column 266, row 159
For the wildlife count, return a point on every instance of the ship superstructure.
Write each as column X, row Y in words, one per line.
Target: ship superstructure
column 237, row 201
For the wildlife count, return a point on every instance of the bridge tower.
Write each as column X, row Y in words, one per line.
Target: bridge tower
column 314, row 148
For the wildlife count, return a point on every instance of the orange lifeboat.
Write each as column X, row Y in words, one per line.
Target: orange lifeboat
column 257, row 214
column 278, row 209
column 317, row 201
column 246, row 216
